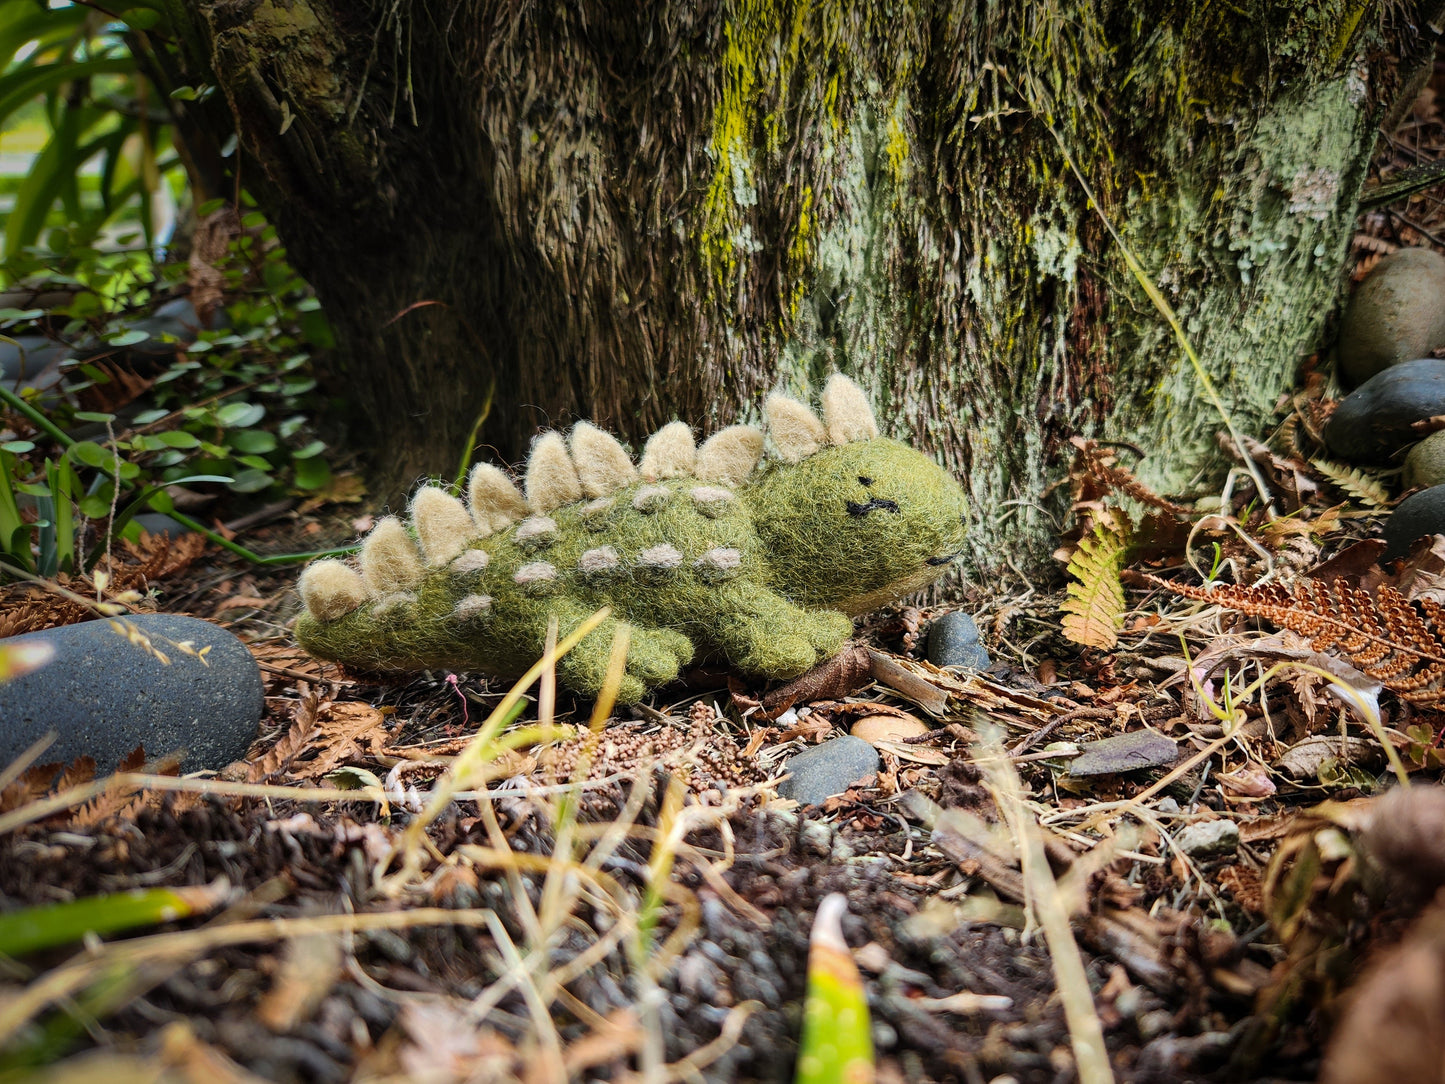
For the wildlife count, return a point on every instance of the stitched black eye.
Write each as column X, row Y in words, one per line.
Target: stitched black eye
column 860, row 510
column 865, row 480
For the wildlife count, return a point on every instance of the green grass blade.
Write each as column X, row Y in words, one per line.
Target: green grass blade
column 34, row 928
column 837, row 1042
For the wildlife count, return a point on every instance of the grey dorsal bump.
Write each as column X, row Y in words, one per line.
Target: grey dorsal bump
column 718, row 564
column 651, row 499
column 471, row 561
column 663, row 558
column 536, row 532
column 598, row 561
column 473, row 608
column 711, row 501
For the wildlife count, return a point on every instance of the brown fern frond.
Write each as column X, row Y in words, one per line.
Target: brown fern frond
column 1094, row 610
column 1394, row 640
column 292, row 743
column 1100, row 463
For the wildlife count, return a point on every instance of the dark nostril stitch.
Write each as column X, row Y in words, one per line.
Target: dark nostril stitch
column 861, row 510
column 865, row 480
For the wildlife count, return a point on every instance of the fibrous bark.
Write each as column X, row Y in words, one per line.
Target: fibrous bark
column 632, row 213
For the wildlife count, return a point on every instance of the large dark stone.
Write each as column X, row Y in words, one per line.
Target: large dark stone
column 1416, row 516
column 105, row 695
column 1373, row 422
column 824, row 770
column 953, row 641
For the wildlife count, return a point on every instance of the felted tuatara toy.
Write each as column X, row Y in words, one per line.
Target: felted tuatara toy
column 707, row 549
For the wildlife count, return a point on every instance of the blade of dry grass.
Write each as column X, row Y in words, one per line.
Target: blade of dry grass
column 1086, row 1033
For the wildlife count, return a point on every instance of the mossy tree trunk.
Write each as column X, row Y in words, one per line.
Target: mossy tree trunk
column 634, row 212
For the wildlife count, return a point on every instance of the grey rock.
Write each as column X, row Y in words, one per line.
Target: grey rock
column 158, row 523
column 1416, row 516
column 1124, row 753
column 1425, row 465
column 1374, row 421
column 104, row 695
column 1396, row 314
column 1208, row 839
column 824, row 770
column 953, row 641
column 29, row 361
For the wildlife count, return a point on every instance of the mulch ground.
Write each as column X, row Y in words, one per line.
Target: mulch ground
column 638, row 904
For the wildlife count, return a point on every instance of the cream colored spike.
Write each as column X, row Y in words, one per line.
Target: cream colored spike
column 794, row 428
column 442, row 523
column 730, row 456
column 669, row 453
column 389, row 559
column 496, row 503
column 603, row 465
column 331, row 589
column 551, row 478
column 846, row 411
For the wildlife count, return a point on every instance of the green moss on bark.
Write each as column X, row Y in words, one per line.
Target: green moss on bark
column 638, row 213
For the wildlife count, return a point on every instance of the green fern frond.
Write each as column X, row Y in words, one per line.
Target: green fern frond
column 1094, row 611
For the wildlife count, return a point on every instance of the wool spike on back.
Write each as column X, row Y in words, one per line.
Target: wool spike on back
column 603, row 465
column 671, row 452
column 728, row 457
column 390, row 562
column 551, row 477
column 796, row 430
column 496, row 502
column 847, row 412
column 331, row 589
column 443, row 524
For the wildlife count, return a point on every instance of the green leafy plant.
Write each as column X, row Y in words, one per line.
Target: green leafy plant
column 233, row 408
column 96, row 93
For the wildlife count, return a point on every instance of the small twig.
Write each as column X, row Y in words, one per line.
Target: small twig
column 1032, row 739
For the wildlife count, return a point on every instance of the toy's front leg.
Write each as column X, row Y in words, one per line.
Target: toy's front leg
column 654, row 656
column 763, row 633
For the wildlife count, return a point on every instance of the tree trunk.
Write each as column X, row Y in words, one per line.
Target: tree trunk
column 635, row 212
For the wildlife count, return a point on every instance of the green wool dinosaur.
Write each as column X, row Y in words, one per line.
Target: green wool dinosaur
column 699, row 549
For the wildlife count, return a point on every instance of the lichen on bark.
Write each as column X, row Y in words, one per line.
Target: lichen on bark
column 632, row 213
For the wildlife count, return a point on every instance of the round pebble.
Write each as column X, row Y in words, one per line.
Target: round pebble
column 1417, row 515
column 1396, row 314
column 1374, row 422
column 876, row 728
column 953, row 641
column 1425, row 465
column 821, row 771
column 105, row 695
column 1208, row 839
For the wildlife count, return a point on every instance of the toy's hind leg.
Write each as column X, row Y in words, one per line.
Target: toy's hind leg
column 763, row 633
column 654, row 656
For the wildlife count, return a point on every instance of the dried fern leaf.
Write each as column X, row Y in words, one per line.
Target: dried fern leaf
column 1122, row 480
column 1363, row 487
column 1394, row 640
column 1094, row 610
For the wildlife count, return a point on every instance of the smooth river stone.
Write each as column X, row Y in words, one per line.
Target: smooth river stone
column 1416, row 516
column 1374, row 421
column 1124, row 753
column 1396, row 314
column 953, row 641
column 822, row 771
column 105, row 696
